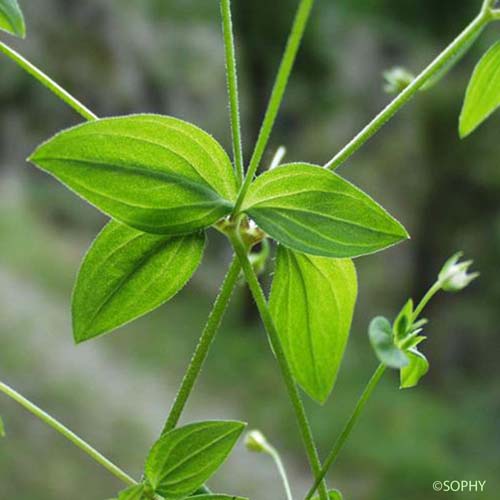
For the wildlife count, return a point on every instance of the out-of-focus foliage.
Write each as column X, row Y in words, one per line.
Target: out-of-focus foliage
column 166, row 56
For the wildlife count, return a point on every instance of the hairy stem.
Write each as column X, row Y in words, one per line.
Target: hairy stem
column 426, row 299
column 293, row 392
column 203, row 347
column 232, row 85
column 71, row 436
column 293, row 44
column 389, row 111
column 344, row 435
column 45, row 80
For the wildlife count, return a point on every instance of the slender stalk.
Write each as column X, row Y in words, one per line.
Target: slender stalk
column 426, row 299
column 45, row 80
column 203, row 347
column 293, row 392
column 232, row 85
column 71, row 436
column 339, row 444
column 405, row 96
column 293, row 44
column 273, row 453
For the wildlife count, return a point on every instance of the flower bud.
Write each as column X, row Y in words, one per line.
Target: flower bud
column 397, row 79
column 455, row 276
column 255, row 441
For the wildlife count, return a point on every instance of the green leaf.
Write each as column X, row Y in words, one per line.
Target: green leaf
column 312, row 303
column 312, row 210
column 2, row 428
column 11, row 18
column 483, row 93
column 128, row 273
column 217, row 497
column 183, row 459
column 382, row 340
column 416, row 369
column 332, row 495
column 155, row 173
column 133, row 493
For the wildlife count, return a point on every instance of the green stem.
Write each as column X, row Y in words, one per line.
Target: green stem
column 71, row 436
column 293, row 44
column 426, row 299
column 45, row 80
column 232, row 84
column 293, row 392
column 387, row 113
column 339, row 444
column 203, row 347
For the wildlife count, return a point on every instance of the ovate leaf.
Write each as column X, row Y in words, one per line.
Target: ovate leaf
column 312, row 302
column 155, row 173
column 312, row 210
column 133, row 493
column 404, row 321
column 382, row 340
column 11, row 18
column 483, row 93
column 183, row 459
column 416, row 369
column 128, row 273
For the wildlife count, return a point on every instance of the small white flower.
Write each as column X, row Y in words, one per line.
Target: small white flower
column 255, row 441
column 455, row 276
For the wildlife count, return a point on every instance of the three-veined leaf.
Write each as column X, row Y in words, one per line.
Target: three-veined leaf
column 315, row 211
column 155, row 173
column 185, row 458
column 312, row 303
column 127, row 273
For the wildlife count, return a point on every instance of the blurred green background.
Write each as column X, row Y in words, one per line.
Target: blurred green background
column 166, row 56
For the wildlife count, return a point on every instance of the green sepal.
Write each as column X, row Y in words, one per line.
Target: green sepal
column 403, row 322
column 418, row 366
column 382, row 340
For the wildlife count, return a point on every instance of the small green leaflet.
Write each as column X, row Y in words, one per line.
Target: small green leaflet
column 11, row 18
column 483, row 93
column 155, row 173
column 403, row 323
column 315, row 211
column 2, row 428
column 185, row 458
column 312, row 303
column 416, row 369
column 128, row 273
column 382, row 340
column 133, row 493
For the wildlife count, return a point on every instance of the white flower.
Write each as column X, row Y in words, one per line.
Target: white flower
column 455, row 276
